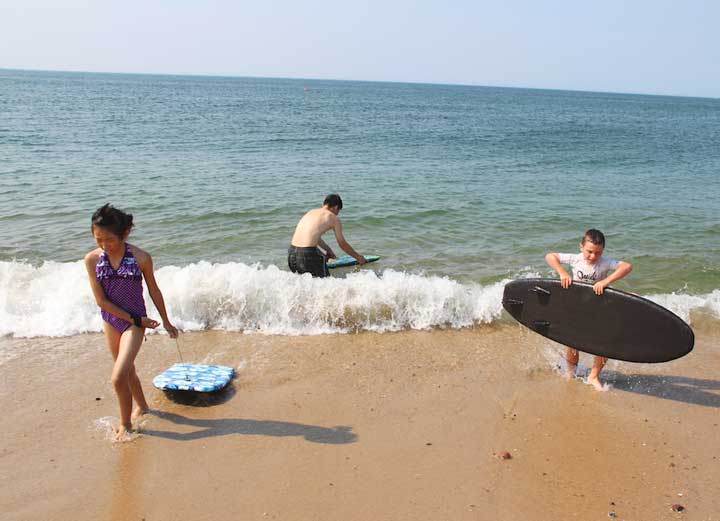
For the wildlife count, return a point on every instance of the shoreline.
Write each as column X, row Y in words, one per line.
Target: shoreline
column 363, row 426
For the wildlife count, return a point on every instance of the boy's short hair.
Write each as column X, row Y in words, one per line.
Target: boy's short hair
column 332, row 201
column 594, row 236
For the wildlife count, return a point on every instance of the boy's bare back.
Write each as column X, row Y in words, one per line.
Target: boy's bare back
column 312, row 226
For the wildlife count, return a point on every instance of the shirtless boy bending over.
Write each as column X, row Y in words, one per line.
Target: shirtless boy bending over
column 304, row 254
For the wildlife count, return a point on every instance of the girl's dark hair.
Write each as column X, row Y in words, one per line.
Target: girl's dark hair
column 594, row 236
column 112, row 219
column 332, row 201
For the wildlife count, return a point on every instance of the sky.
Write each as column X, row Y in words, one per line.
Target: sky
column 636, row 46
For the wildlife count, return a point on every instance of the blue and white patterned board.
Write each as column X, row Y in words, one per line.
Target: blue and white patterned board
column 194, row 377
column 347, row 260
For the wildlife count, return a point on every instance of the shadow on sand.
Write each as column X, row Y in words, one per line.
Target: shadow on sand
column 679, row 388
column 227, row 426
column 198, row 399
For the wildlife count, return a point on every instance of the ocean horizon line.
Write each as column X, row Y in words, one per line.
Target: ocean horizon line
column 370, row 81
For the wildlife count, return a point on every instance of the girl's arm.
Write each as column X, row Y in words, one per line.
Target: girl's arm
column 101, row 299
column 553, row 259
column 146, row 265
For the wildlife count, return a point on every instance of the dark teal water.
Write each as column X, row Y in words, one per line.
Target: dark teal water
column 470, row 183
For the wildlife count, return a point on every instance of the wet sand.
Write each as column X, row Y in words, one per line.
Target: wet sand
column 407, row 425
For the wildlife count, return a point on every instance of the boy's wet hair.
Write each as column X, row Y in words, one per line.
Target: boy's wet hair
column 594, row 236
column 332, row 201
column 112, row 219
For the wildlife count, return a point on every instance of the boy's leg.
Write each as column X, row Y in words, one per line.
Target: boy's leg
column 572, row 358
column 130, row 342
column 594, row 377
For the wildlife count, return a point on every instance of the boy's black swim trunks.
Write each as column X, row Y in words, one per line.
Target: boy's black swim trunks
column 307, row 260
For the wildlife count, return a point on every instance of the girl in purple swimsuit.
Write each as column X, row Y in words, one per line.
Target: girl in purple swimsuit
column 116, row 271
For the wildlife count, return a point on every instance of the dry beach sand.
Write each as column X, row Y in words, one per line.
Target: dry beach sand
column 408, row 425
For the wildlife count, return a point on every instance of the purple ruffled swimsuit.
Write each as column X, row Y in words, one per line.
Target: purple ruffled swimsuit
column 123, row 287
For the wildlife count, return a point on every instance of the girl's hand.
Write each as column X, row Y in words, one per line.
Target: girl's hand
column 149, row 322
column 172, row 330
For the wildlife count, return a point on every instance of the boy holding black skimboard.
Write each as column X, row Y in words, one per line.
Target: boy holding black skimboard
column 588, row 266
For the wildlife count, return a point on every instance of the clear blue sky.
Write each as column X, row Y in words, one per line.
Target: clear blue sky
column 654, row 47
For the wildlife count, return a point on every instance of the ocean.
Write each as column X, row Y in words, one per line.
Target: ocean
column 458, row 188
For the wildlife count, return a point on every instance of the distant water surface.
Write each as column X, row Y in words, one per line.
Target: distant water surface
column 469, row 184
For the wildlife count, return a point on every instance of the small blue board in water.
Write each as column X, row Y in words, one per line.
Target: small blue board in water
column 194, row 377
column 347, row 260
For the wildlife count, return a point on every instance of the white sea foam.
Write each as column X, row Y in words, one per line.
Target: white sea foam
column 268, row 300
column 51, row 300
column 682, row 304
column 54, row 299
column 106, row 425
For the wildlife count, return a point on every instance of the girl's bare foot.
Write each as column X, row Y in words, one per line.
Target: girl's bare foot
column 123, row 434
column 138, row 412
